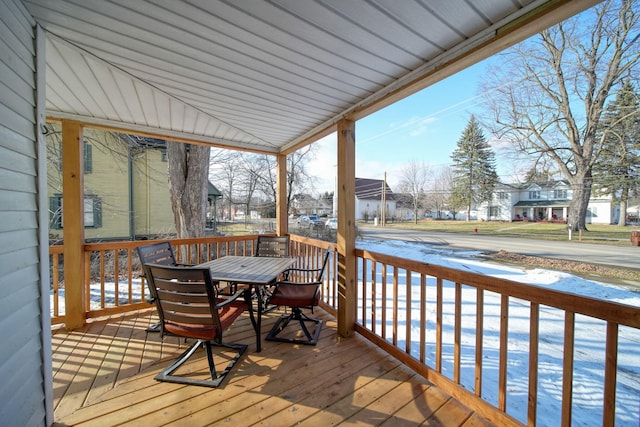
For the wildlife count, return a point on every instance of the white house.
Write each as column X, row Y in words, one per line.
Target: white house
column 542, row 201
column 369, row 196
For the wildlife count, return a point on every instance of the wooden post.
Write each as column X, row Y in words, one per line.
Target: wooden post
column 347, row 271
column 73, row 223
column 282, row 214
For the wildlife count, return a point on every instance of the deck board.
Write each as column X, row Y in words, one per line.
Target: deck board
column 104, row 375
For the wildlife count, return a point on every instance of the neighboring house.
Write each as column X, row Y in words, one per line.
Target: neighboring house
column 305, row 204
column 126, row 188
column 542, row 201
column 369, row 196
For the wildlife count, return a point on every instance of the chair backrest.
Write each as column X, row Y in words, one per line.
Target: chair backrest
column 311, row 275
column 272, row 246
column 157, row 253
column 186, row 301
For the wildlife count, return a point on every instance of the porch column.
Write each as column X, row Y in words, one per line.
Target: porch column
column 282, row 214
column 347, row 268
column 73, row 223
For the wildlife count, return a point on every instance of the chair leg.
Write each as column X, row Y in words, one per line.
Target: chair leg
column 155, row 327
column 296, row 314
column 216, row 380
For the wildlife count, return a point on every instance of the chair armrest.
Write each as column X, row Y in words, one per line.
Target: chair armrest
column 287, row 272
column 292, row 282
column 232, row 298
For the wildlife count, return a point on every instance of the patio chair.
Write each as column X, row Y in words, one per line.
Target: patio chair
column 160, row 253
column 299, row 289
column 189, row 307
column 268, row 246
column 272, row 246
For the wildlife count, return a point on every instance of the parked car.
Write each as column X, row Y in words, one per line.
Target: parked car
column 331, row 224
column 310, row 221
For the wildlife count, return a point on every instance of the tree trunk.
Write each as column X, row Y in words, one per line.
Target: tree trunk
column 581, row 188
column 188, row 184
column 622, row 219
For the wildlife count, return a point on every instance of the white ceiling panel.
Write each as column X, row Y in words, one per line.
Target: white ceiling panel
column 263, row 75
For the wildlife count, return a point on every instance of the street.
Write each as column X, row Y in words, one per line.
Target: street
column 615, row 256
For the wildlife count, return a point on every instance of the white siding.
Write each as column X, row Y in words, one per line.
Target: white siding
column 22, row 358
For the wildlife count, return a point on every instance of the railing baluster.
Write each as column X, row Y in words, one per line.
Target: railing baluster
column 479, row 337
column 610, row 375
column 457, row 332
column 439, row 298
column 567, row 367
column 423, row 317
column 364, row 292
column 408, row 311
column 395, row 306
column 102, row 284
column 129, row 275
column 383, row 275
column 116, row 276
column 374, row 292
column 56, row 284
column 87, row 282
column 504, row 340
column 534, row 337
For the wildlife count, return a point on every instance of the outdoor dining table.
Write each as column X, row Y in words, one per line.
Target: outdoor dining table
column 257, row 272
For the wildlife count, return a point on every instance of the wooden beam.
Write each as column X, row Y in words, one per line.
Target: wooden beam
column 282, row 214
column 347, row 268
column 73, row 223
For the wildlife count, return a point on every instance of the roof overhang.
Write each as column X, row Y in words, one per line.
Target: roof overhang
column 264, row 76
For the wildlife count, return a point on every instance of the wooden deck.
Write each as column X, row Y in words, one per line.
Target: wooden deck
column 104, row 375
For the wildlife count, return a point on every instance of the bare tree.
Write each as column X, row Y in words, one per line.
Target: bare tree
column 413, row 180
column 188, row 185
column 440, row 191
column 298, row 179
column 558, row 83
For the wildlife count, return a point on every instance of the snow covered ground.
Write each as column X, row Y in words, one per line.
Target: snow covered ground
column 589, row 337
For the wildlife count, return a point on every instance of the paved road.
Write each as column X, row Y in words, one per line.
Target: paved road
column 620, row 256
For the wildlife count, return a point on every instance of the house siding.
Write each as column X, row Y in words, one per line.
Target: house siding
column 124, row 188
column 23, row 361
column 152, row 203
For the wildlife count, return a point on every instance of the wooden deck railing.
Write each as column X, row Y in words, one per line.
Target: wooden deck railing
column 436, row 319
column 439, row 321
column 113, row 282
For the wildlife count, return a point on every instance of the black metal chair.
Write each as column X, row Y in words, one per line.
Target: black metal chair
column 160, row 253
column 299, row 289
column 189, row 307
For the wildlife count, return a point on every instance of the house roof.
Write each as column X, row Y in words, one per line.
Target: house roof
column 371, row 189
column 266, row 76
column 213, row 191
column 537, row 203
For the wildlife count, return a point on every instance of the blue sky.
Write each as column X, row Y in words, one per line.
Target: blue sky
column 424, row 127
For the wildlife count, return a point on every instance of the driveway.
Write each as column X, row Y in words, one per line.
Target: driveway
column 618, row 256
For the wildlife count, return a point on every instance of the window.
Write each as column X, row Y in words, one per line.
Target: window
column 163, row 155
column 560, row 194
column 503, row 195
column 534, row 195
column 88, row 158
column 494, row 211
column 92, row 212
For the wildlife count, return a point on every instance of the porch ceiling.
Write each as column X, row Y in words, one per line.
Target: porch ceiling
column 262, row 75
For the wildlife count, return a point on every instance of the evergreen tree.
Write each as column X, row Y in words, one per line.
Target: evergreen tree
column 617, row 172
column 474, row 168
